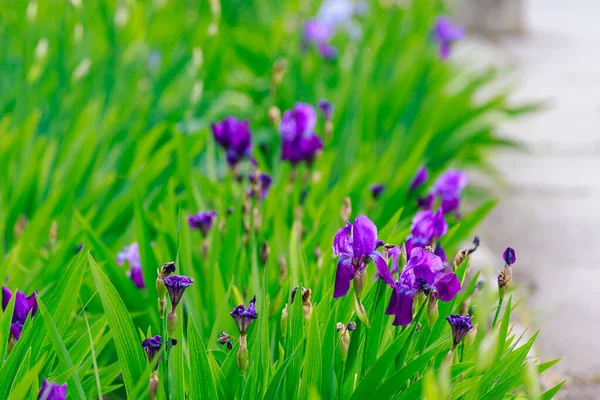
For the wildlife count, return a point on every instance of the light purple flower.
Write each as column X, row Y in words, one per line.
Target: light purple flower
column 326, row 108
column 235, row 138
column 424, row 273
column 420, row 178
column 445, row 34
column 448, row 188
column 203, row 221
column 52, row 391
column 244, row 316
column 461, row 325
column 355, row 245
column 300, row 142
column 426, row 228
column 320, row 33
column 131, row 255
column 23, row 306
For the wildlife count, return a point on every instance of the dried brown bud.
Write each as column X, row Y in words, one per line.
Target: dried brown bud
column 346, row 210
column 275, row 116
column 264, row 252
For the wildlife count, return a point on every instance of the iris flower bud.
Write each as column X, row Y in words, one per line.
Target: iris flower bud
column 432, row 309
column 224, row 339
column 505, row 277
column 461, row 325
column 344, row 339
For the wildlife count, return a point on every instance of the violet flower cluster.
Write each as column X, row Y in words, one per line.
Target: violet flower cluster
column 24, row 305
column 300, row 143
column 424, row 273
column 131, row 255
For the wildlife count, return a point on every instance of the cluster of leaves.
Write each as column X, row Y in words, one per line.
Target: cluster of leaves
column 104, row 140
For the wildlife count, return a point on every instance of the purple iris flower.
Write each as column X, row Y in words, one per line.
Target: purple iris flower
column 244, row 316
column 263, row 182
column 426, row 202
column 376, row 190
column 52, row 391
column 23, row 306
column 426, row 227
column 448, row 188
column 152, row 346
column 202, row 220
column 424, row 273
column 176, row 285
column 355, row 245
column 235, row 138
column 420, row 178
column 445, row 34
column 320, row 33
column 461, row 325
column 300, row 142
column 509, row 256
column 326, row 108
column 131, row 254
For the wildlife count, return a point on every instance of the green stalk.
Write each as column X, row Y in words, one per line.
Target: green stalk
column 500, row 300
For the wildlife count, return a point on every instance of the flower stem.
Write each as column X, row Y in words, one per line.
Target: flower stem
column 500, row 300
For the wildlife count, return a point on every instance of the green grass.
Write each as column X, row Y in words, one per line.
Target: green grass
column 122, row 152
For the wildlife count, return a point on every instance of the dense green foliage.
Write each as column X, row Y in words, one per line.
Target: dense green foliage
column 105, row 140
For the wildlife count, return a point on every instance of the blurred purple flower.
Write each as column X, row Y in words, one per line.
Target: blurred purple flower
column 425, row 273
column 203, row 221
column 420, row 178
column 244, row 316
column 355, row 245
column 263, row 183
column 23, row 306
column 445, row 34
column 320, row 33
column 235, row 138
column 52, row 391
column 131, row 254
column 448, row 188
column 300, row 142
column 326, row 108
column 376, row 190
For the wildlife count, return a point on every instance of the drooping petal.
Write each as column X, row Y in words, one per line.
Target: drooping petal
column 447, row 286
column 342, row 240
column 420, row 178
column 343, row 277
column 382, row 267
column 6, row 296
column 32, row 300
column 404, row 307
column 22, row 308
column 364, row 236
column 394, row 255
column 16, row 329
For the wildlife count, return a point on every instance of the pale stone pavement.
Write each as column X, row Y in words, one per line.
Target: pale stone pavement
column 550, row 209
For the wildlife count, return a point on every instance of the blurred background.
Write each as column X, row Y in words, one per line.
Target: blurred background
column 549, row 204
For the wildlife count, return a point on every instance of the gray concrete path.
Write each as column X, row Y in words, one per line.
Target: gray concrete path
column 550, row 211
